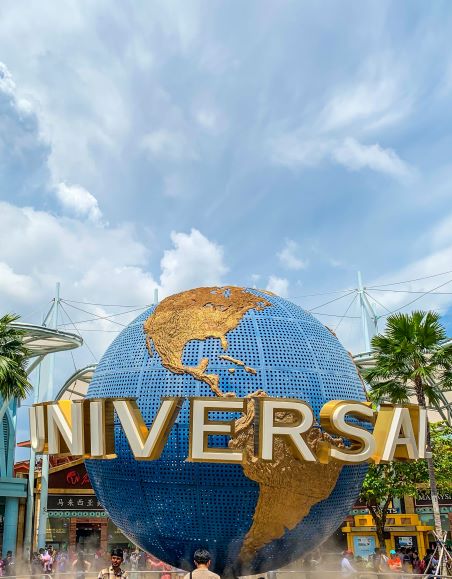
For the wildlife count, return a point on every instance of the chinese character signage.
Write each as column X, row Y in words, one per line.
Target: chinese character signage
column 74, row 477
column 73, row 503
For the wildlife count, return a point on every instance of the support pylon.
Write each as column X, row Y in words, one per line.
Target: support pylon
column 369, row 318
column 46, row 379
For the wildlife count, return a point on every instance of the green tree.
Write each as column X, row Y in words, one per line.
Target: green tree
column 384, row 483
column 441, row 441
column 13, row 376
column 412, row 361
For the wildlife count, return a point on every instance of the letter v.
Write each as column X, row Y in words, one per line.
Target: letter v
column 147, row 444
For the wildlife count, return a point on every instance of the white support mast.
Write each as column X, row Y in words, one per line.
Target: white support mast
column 369, row 318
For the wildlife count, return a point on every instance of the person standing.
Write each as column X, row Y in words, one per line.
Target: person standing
column 416, row 563
column 429, row 563
column 379, row 561
column 10, row 564
column 114, row 571
column 36, row 564
column 81, row 565
column 61, row 561
column 134, row 561
column 394, row 562
column 202, row 560
column 346, row 567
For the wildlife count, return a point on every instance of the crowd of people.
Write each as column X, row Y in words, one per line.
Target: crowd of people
column 134, row 564
column 402, row 560
column 50, row 561
column 120, row 564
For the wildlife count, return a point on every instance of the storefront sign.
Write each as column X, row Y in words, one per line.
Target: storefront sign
column 74, row 477
column 73, row 503
column 425, row 500
column 363, row 546
column 409, row 542
column 359, row 506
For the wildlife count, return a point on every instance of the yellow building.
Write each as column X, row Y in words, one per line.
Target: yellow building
column 402, row 530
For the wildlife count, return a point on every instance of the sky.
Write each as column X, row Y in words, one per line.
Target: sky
column 272, row 144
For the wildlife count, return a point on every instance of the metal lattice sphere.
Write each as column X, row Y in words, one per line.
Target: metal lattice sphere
column 242, row 340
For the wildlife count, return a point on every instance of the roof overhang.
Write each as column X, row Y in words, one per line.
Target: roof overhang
column 76, row 386
column 42, row 341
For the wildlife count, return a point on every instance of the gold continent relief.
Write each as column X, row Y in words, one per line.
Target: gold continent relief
column 288, row 487
column 199, row 314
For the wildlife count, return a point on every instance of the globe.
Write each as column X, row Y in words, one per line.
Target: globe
column 225, row 341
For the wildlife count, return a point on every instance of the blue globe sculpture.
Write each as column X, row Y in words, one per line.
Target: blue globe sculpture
column 246, row 340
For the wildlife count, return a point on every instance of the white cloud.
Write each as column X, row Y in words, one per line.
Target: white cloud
column 14, row 285
column 376, row 98
column 355, row 156
column 97, row 264
column 375, row 102
column 104, row 265
column 293, row 152
column 289, row 258
column 8, row 87
column 207, row 119
column 25, row 155
column 193, row 261
column 166, row 144
column 23, row 152
column 7, row 84
column 79, row 201
column 278, row 285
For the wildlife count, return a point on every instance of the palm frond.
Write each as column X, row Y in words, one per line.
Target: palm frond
column 410, row 352
column 13, row 375
column 390, row 391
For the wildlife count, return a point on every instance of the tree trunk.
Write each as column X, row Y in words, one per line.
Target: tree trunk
column 379, row 515
column 420, row 395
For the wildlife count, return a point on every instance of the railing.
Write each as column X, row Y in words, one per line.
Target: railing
column 293, row 574
column 138, row 574
column 27, row 576
column 360, row 574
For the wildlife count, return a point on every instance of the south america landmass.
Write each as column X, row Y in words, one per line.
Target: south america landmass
column 288, row 487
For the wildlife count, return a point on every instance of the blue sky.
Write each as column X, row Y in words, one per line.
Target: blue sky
column 172, row 144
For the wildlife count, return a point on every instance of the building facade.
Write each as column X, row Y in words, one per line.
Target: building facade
column 76, row 519
column 13, row 489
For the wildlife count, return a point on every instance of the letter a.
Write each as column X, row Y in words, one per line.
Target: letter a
column 394, row 435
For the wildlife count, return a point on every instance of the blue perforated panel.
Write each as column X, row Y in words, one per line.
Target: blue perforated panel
column 171, row 507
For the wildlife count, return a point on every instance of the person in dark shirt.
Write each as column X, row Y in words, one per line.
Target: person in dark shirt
column 10, row 564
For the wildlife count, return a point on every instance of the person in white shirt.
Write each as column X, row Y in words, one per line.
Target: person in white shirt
column 346, row 567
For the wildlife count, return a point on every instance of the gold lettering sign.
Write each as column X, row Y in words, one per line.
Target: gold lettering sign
column 400, row 433
column 86, row 428
column 333, row 419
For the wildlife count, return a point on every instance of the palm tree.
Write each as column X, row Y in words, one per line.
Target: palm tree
column 412, row 361
column 13, row 376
